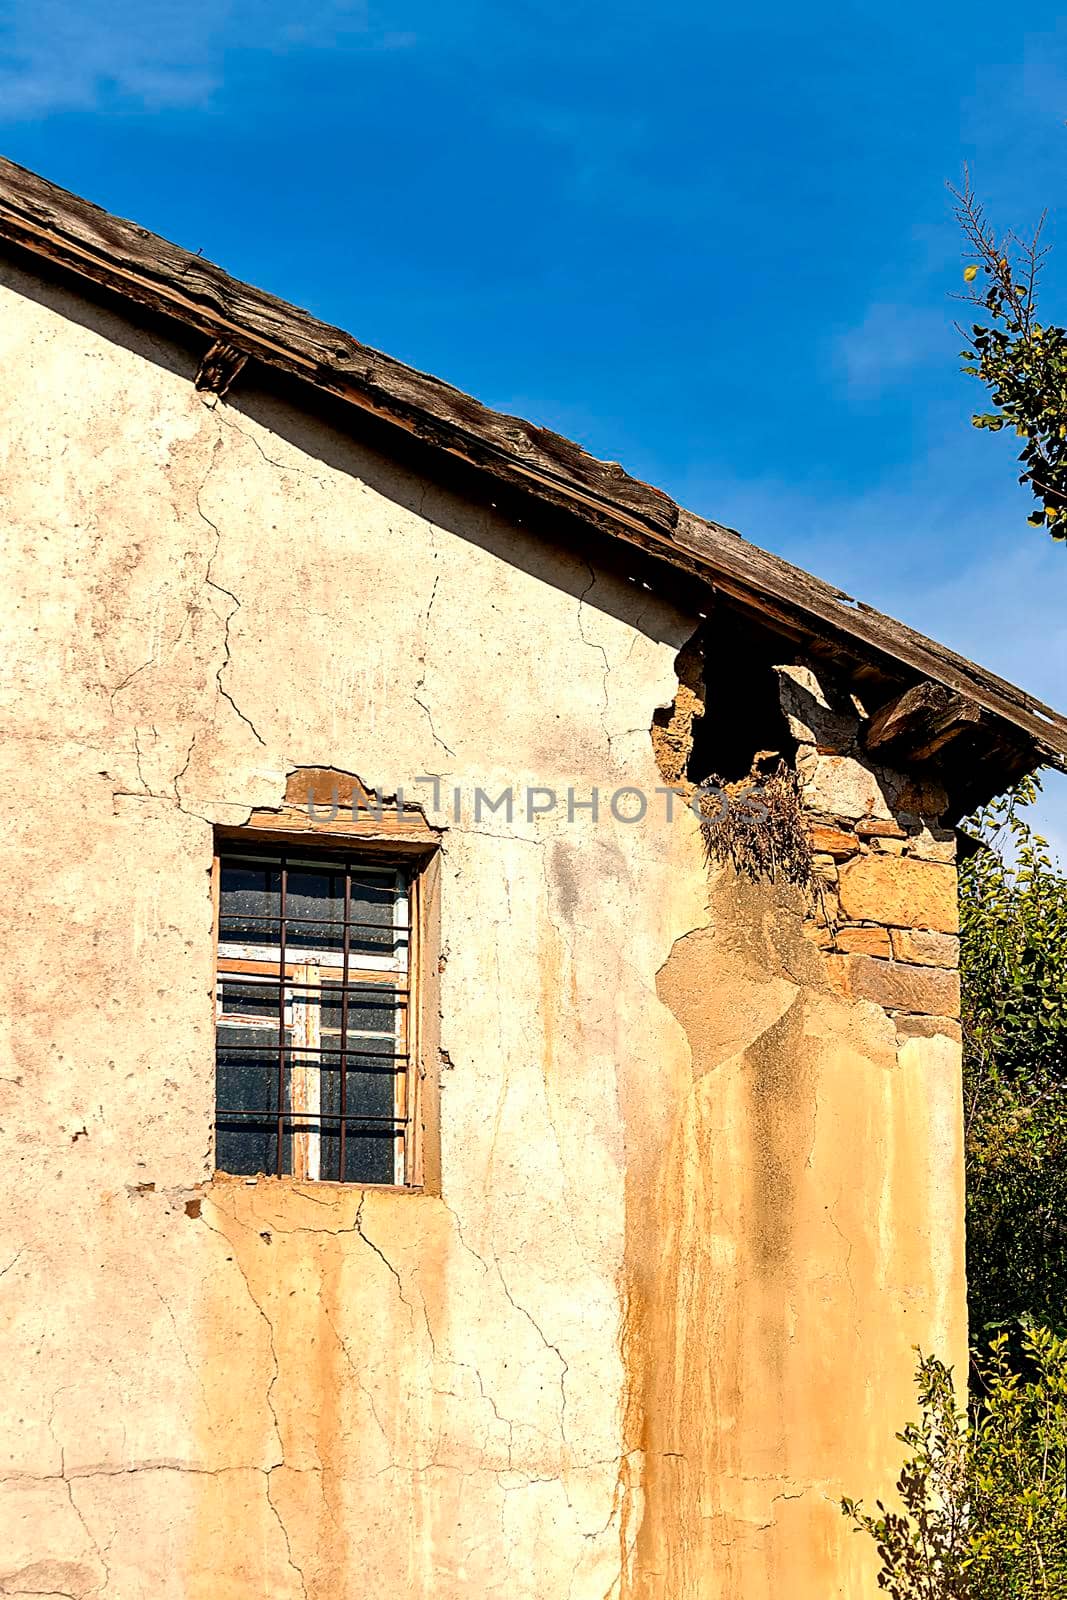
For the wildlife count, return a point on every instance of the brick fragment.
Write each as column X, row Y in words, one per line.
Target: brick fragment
column 864, row 941
column 836, row 842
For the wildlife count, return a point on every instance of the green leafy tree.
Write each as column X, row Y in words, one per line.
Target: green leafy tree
column 1022, row 362
column 1013, row 920
column 982, row 1511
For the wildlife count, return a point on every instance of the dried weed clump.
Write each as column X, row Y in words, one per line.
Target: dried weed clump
column 757, row 825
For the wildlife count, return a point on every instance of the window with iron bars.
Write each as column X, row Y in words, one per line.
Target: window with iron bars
column 312, row 1015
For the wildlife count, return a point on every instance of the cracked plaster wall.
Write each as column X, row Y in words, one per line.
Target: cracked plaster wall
column 696, row 1207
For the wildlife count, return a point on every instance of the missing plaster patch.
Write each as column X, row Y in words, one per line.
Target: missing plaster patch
column 327, row 800
column 673, row 726
column 726, row 718
column 744, row 726
column 726, row 735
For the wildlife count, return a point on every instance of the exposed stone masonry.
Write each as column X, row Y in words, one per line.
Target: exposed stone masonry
column 885, row 904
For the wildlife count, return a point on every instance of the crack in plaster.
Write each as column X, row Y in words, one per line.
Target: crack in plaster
column 221, row 589
column 128, row 679
column 193, row 1371
column 178, row 776
column 593, row 645
column 87, row 1474
column 564, row 1365
column 285, row 1535
column 5, row 1270
column 355, row 1371
column 567, row 944
column 137, row 755
column 831, row 1218
column 270, row 1334
column 425, row 649
column 220, row 408
column 369, row 1242
column 101, row 1588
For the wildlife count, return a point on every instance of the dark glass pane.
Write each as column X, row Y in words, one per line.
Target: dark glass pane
column 373, row 903
column 369, row 1157
column 369, row 1010
column 249, row 895
column 243, row 999
column 370, row 1137
column 246, row 1101
column 318, row 897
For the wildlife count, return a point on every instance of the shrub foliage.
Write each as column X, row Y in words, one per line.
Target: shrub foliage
column 982, row 1512
column 1013, row 919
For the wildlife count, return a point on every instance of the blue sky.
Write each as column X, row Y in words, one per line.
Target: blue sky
column 712, row 242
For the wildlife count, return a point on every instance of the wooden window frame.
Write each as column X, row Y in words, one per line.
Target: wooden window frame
column 416, row 858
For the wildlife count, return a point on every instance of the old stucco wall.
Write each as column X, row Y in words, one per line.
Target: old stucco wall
column 698, row 1201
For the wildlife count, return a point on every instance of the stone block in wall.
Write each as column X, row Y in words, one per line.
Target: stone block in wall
column 831, row 841
column 929, row 991
column 921, row 798
column 811, row 716
column 901, row 891
column 909, row 1027
column 844, row 788
column 926, row 949
column 864, row 941
column 934, row 844
column 880, row 828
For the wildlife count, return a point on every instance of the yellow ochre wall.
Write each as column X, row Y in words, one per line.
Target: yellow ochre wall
column 700, row 1187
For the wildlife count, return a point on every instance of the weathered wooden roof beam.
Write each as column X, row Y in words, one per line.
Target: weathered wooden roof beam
column 242, row 322
column 920, row 723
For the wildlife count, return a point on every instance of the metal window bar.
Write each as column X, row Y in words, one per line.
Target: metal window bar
column 281, row 1017
column 342, row 1128
column 323, row 1050
column 321, row 922
column 267, row 981
column 341, row 1049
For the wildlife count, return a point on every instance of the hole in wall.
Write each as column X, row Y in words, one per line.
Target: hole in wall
column 726, row 718
column 743, row 726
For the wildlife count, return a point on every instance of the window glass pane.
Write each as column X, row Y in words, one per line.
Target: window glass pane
column 244, row 998
column 314, row 908
column 374, row 915
column 370, row 1131
column 249, row 895
column 246, row 1100
column 369, row 1010
column 314, row 933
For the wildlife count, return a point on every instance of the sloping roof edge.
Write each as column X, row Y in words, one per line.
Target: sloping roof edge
column 81, row 238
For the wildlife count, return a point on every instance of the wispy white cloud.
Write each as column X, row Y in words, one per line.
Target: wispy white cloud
column 890, row 344
column 56, row 55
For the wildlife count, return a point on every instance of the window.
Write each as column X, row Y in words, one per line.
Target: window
column 313, row 1038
